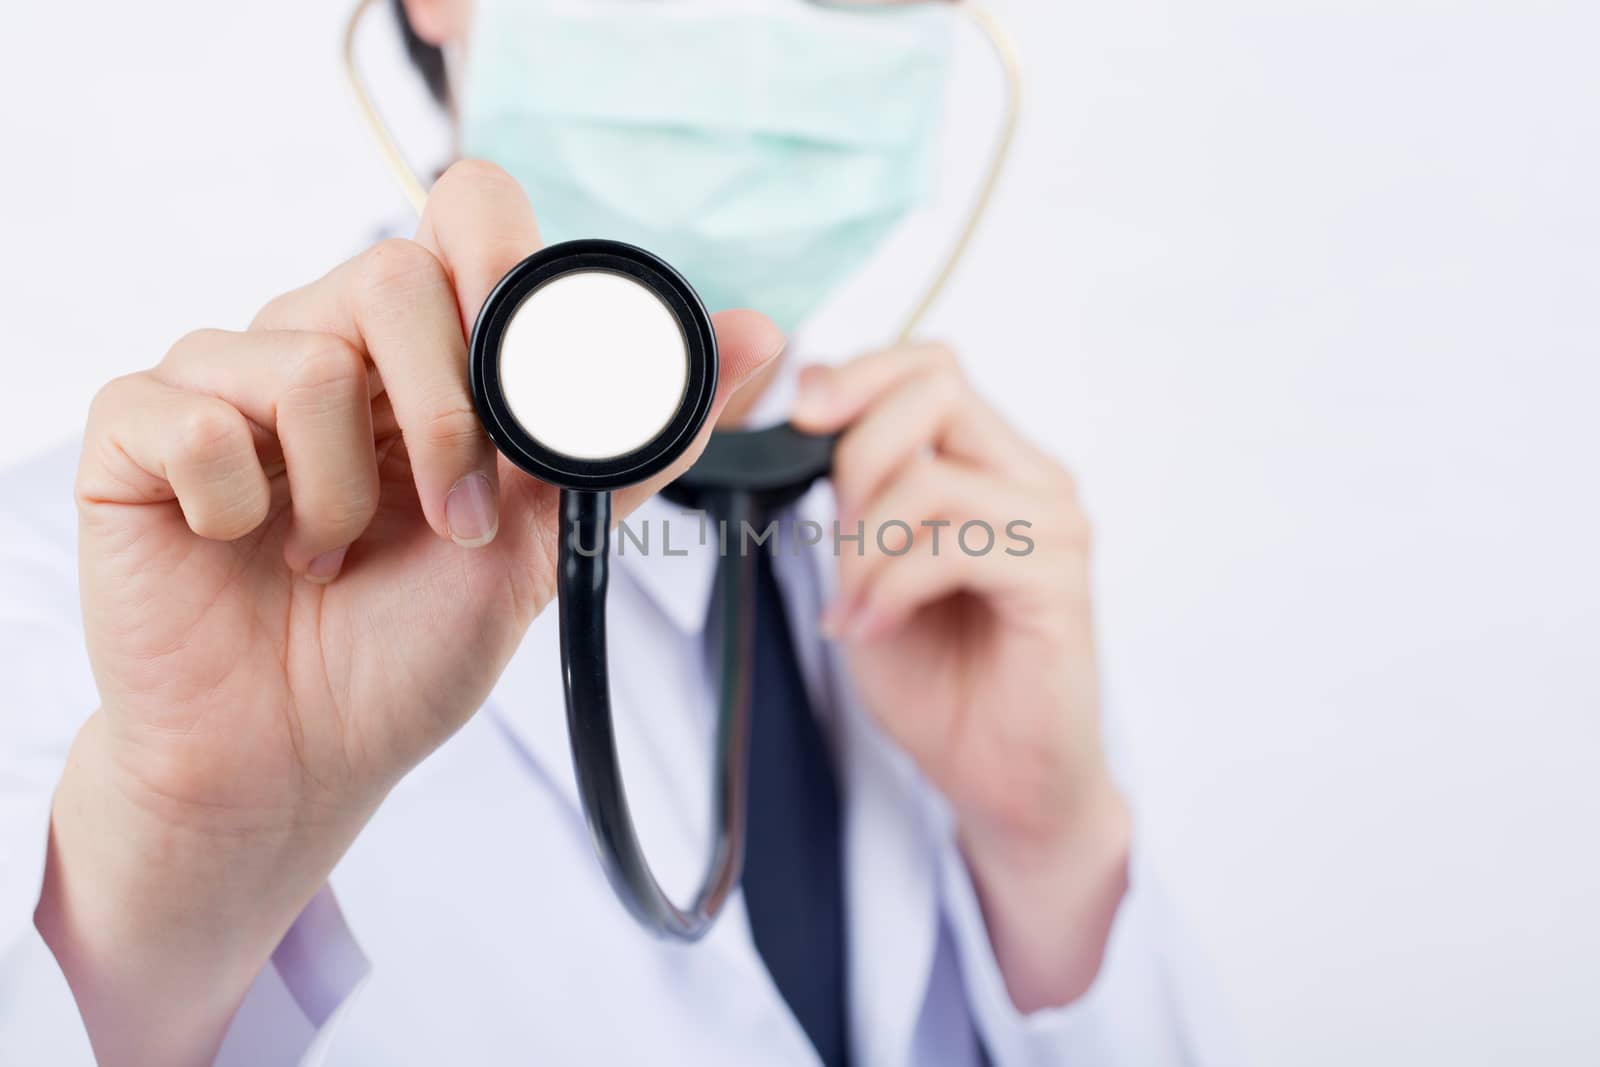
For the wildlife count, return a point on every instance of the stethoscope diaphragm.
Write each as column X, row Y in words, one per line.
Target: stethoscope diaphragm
column 593, row 365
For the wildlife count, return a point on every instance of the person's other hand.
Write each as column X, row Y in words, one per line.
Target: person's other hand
column 303, row 567
column 972, row 646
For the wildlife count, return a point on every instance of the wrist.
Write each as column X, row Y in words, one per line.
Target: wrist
column 160, row 926
column 1049, row 898
column 1092, row 818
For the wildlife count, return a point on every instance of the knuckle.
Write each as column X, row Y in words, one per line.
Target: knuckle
column 399, row 264
column 112, row 397
column 343, row 509
column 210, row 429
column 927, row 479
column 947, row 386
column 230, row 517
column 452, row 426
column 940, row 356
column 851, row 458
column 468, row 176
column 272, row 312
column 194, row 345
column 326, row 362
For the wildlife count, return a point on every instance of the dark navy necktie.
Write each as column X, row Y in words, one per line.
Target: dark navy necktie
column 793, row 886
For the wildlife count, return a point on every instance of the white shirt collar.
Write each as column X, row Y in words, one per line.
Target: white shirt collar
column 680, row 583
column 677, row 565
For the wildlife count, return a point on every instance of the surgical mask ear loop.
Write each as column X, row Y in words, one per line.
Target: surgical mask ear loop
column 1005, row 50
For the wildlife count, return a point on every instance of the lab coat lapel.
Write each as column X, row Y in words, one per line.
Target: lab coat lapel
column 890, row 905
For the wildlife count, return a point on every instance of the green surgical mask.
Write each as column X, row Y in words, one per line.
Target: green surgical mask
column 764, row 148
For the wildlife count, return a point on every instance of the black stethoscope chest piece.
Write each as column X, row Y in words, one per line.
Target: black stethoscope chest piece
column 593, row 365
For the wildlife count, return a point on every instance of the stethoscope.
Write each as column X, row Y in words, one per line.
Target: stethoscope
column 575, row 319
column 607, row 311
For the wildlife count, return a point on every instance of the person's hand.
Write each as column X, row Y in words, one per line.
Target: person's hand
column 973, row 648
column 303, row 567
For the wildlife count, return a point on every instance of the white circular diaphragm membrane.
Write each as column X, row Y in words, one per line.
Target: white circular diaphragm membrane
column 593, row 364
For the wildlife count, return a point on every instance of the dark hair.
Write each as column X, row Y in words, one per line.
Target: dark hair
column 427, row 58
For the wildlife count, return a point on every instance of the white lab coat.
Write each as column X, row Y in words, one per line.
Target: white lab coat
column 471, row 924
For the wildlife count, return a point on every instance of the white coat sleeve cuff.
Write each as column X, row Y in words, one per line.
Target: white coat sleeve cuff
column 293, row 1010
column 39, row 1021
column 287, row 1018
column 1130, row 1014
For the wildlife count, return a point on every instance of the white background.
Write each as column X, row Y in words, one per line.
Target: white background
column 1308, row 293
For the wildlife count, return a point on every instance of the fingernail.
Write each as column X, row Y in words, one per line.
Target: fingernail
column 472, row 512
column 325, row 568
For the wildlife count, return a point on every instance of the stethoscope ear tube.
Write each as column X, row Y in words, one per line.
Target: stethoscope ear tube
column 582, row 577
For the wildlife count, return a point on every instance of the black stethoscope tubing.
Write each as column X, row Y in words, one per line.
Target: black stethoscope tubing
column 582, row 578
column 741, row 478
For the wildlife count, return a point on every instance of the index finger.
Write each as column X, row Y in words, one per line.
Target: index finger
column 409, row 306
column 892, row 402
column 479, row 223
